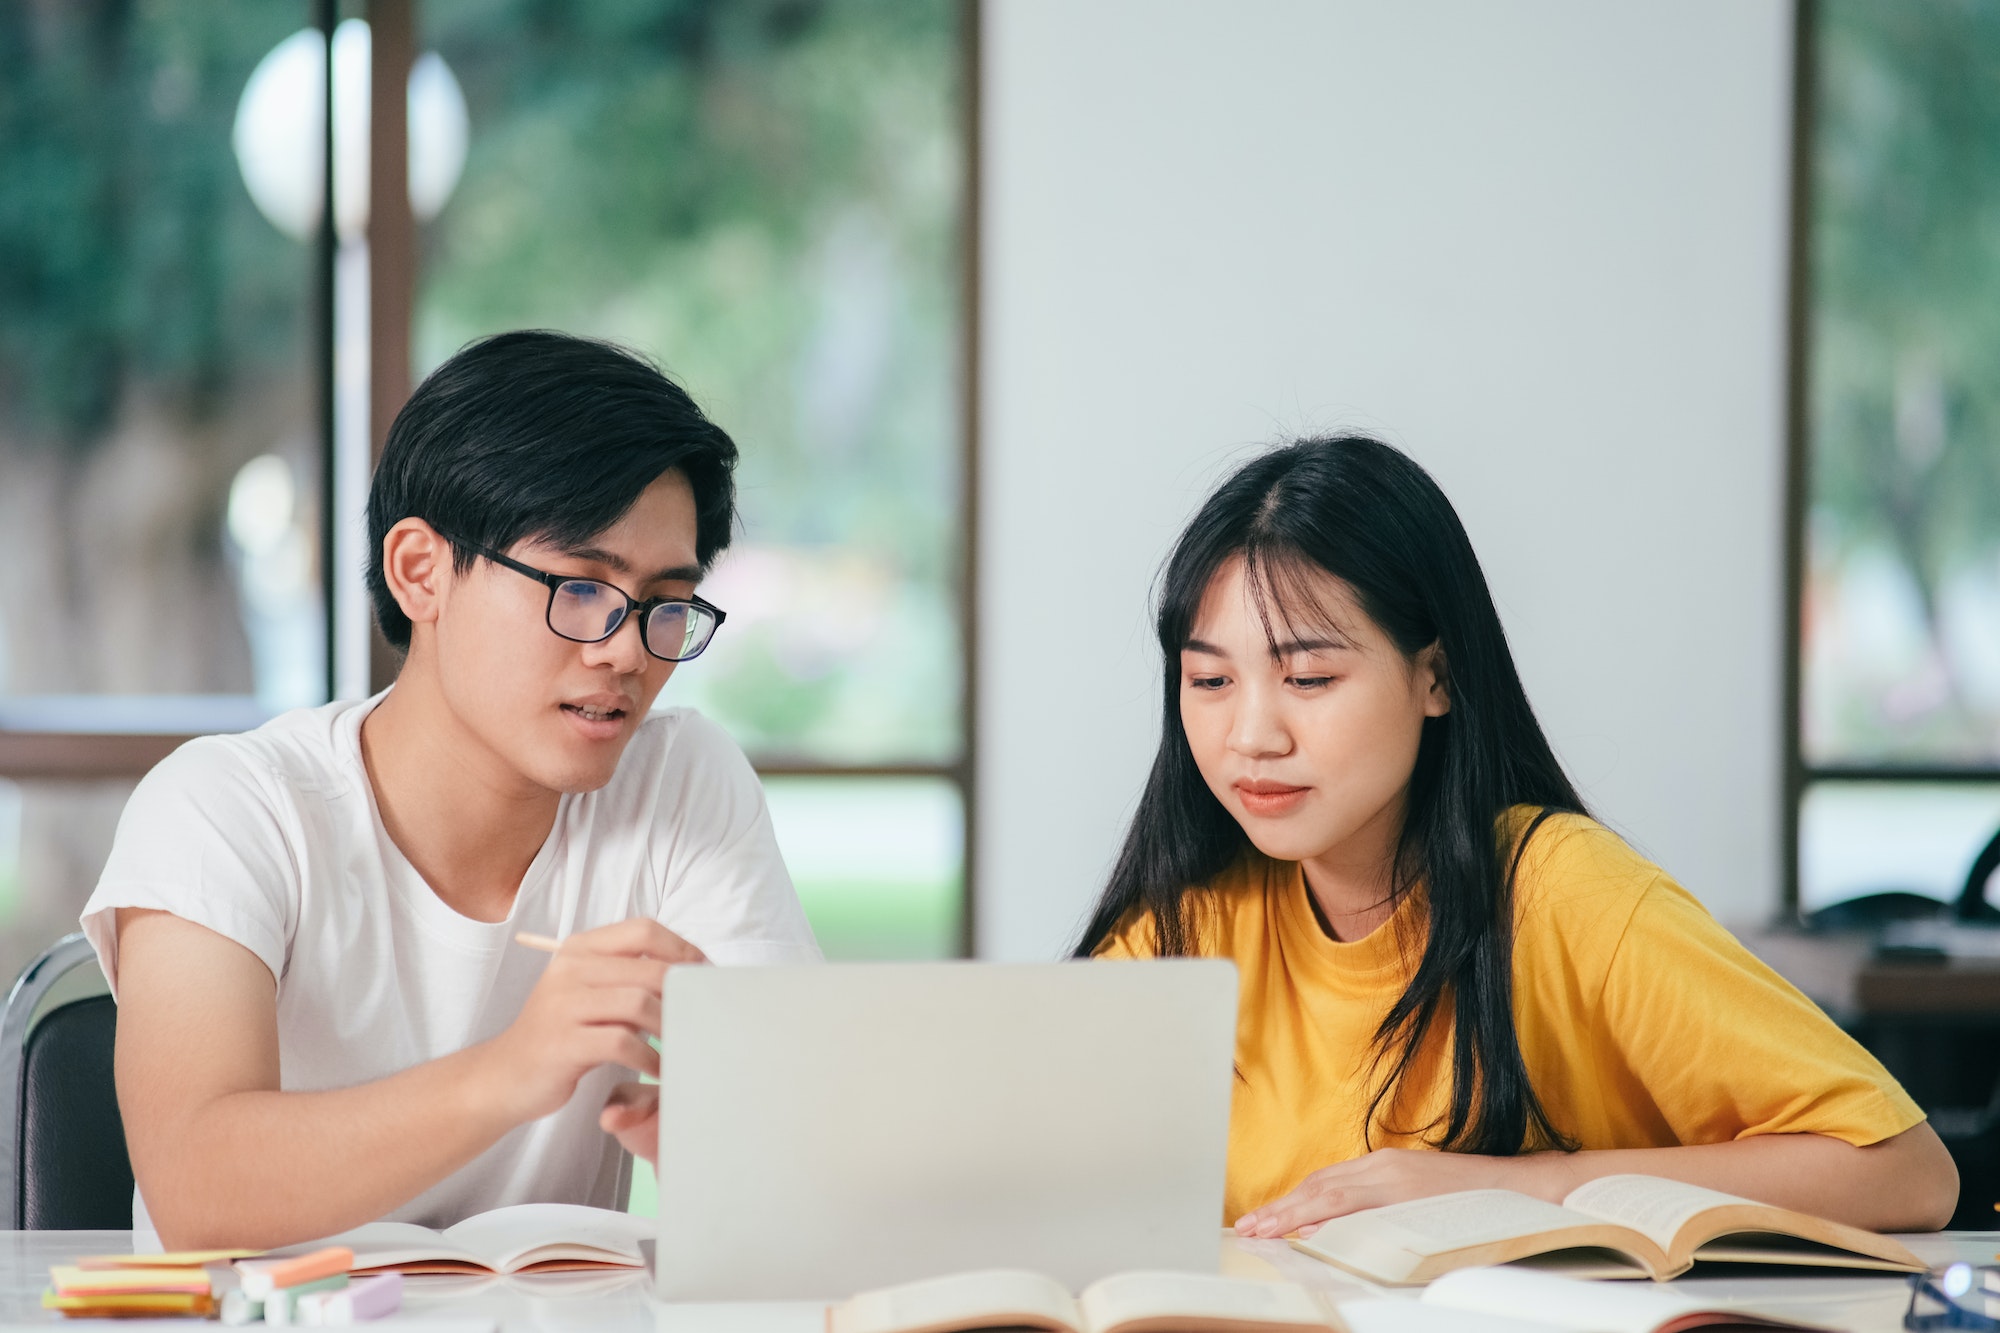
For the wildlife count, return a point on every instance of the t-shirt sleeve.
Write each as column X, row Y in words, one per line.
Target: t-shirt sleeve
column 202, row 837
column 724, row 886
column 1726, row 1047
column 1133, row 938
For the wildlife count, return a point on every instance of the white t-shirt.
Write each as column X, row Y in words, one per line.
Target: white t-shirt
column 271, row 838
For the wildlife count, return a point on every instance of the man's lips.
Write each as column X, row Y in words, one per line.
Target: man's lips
column 597, row 719
column 1262, row 796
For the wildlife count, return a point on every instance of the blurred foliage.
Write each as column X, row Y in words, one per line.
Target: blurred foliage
column 1905, row 282
column 765, row 196
column 130, row 254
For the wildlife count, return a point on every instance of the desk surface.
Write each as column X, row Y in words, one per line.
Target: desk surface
column 621, row 1303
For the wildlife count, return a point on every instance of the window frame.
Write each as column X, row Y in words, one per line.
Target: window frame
column 31, row 754
column 1799, row 775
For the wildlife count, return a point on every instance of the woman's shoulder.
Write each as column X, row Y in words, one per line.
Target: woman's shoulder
column 1573, row 875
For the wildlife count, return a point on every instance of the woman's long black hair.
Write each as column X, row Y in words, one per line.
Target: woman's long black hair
column 1363, row 512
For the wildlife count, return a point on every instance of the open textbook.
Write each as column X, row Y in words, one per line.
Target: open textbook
column 1475, row 1300
column 1517, row 1300
column 1121, row 1303
column 525, row 1238
column 1630, row 1226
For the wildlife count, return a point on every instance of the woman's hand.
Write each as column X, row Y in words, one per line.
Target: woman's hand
column 1391, row 1175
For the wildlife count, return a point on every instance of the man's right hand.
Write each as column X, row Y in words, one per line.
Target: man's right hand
column 596, row 1004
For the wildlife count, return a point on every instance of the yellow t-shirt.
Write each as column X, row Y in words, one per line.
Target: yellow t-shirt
column 1643, row 1023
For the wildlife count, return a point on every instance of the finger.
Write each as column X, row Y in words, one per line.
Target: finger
column 616, row 1045
column 626, row 1006
column 638, row 1098
column 613, row 971
column 1308, row 1205
column 640, row 1137
column 638, row 937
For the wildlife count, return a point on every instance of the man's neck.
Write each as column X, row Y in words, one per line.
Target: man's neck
column 468, row 822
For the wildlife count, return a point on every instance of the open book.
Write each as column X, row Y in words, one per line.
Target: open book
column 526, row 1238
column 1516, row 1300
column 1630, row 1226
column 1122, row 1303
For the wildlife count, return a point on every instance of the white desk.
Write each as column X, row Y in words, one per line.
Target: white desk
column 622, row 1304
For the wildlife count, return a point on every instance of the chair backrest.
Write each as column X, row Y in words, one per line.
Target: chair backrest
column 63, row 1164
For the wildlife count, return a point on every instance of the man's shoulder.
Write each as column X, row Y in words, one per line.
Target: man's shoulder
column 295, row 753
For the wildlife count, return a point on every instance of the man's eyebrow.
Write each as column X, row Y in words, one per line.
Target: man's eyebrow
column 619, row 564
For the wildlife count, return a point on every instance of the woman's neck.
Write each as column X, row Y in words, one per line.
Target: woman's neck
column 1352, row 884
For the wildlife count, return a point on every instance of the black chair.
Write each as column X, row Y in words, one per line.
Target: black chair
column 63, row 1165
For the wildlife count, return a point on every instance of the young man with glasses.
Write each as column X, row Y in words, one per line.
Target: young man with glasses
column 324, row 1017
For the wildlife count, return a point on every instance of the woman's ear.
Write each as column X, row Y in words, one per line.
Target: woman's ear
column 416, row 564
column 1433, row 674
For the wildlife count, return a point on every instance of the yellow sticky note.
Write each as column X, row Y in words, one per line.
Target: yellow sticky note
column 173, row 1259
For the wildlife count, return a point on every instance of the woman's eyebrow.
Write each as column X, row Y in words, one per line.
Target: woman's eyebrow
column 1295, row 646
column 1202, row 646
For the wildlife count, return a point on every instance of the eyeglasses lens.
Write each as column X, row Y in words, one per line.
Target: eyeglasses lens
column 585, row 610
column 678, row 630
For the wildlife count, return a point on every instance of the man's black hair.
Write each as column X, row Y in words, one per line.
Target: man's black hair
column 543, row 435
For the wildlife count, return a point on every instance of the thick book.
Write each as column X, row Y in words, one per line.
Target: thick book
column 524, row 1238
column 1618, row 1226
column 1122, row 1303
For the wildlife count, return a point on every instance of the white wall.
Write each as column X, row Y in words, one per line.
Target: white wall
column 1539, row 244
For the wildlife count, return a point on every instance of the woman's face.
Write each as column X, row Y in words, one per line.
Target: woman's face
column 1312, row 744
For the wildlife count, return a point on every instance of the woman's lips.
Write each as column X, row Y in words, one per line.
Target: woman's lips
column 1270, row 798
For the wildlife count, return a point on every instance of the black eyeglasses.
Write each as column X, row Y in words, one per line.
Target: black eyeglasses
column 673, row 629
column 1957, row 1296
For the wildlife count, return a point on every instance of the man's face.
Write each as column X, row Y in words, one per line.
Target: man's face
column 560, row 713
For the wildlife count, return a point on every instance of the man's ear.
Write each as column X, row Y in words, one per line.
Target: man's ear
column 416, row 564
column 1437, row 686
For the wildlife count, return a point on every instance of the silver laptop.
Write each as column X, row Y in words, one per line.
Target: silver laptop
column 824, row 1130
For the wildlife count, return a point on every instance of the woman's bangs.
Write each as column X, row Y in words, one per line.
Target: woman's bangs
column 1295, row 597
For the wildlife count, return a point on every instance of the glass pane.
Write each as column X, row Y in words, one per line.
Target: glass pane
column 878, row 862
column 54, row 837
column 158, row 525
column 1859, row 838
column 766, row 198
column 1902, row 594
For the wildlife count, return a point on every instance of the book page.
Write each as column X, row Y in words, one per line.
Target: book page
column 385, row 1244
column 1658, row 1208
column 1601, row 1307
column 509, row 1238
column 1378, row 1315
column 986, row 1299
column 1390, row 1242
column 1187, row 1298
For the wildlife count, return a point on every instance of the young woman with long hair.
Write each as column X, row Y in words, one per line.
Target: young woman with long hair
column 1439, row 947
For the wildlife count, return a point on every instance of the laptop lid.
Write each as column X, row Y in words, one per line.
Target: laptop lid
column 824, row 1130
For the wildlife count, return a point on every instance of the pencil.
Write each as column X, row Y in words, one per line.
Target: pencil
column 534, row 941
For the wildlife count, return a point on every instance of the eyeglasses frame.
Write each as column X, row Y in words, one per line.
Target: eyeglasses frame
column 1953, row 1315
column 633, row 606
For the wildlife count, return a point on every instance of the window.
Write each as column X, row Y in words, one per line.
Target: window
column 1895, row 746
column 159, row 429
column 768, row 198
